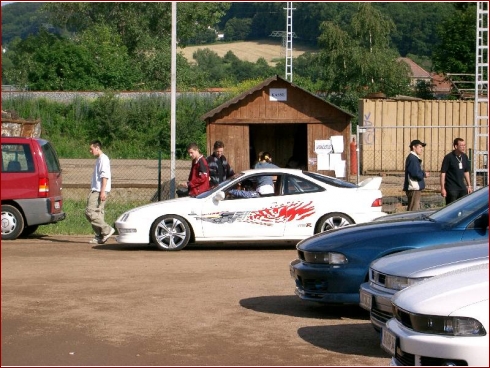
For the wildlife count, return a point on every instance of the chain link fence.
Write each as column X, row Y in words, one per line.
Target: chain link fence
column 382, row 152
column 132, row 180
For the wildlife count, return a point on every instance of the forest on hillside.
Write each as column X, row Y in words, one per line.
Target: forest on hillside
column 415, row 33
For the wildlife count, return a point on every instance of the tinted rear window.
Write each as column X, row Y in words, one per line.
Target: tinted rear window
column 330, row 181
column 50, row 156
column 17, row 158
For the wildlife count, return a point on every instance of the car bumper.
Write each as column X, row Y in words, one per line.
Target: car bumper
column 130, row 234
column 377, row 302
column 325, row 284
column 413, row 348
column 37, row 211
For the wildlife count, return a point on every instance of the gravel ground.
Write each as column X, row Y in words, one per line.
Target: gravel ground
column 66, row 303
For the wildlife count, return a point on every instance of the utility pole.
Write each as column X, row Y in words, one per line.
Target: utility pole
column 289, row 42
column 480, row 141
column 173, row 98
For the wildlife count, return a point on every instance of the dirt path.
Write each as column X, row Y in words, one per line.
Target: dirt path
column 66, row 303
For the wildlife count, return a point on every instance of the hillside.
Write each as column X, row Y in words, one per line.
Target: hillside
column 251, row 51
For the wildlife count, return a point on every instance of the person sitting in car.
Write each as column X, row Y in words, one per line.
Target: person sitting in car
column 244, row 190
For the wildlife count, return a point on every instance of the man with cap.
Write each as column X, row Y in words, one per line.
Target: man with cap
column 414, row 175
column 455, row 173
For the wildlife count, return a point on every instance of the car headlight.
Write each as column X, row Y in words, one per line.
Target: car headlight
column 325, row 257
column 440, row 325
column 400, row 283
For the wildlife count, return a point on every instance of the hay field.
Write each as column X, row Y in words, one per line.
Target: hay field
column 270, row 50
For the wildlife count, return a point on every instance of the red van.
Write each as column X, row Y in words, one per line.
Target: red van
column 31, row 186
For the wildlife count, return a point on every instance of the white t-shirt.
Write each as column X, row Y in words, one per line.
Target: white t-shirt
column 102, row 170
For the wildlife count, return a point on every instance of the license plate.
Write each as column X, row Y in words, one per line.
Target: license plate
column 388, row 341
column 366, row 300
column 57, row 205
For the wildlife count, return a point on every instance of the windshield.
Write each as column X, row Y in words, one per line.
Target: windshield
column 219, row 187
column 463, row 208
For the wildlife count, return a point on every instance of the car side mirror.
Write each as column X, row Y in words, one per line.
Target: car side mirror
column 219, row 196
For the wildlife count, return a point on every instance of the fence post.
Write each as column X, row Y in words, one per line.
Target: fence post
column 159, row 176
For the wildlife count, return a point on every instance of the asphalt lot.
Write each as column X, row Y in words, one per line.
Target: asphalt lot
column 67, row 303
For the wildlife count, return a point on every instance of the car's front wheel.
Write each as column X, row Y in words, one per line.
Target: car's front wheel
column 333, row 221
column 170, row 232
column 12, row 222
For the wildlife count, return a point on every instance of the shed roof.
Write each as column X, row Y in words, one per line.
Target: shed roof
column 265, row 83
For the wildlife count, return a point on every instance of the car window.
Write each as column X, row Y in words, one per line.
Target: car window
column 462, row 209
column 297, row 185
column 17, row 158
column 219, row 187
column 50, row 156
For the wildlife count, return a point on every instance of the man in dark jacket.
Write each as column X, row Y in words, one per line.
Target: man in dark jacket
column 219, row 168
column 414, row 175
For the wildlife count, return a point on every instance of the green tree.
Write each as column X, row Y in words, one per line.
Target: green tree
column 211, row 65
column 456, row 51
column 138, row 22
column 145, row 31
column 112, row 66
column 237, row 29
column 359, row 60
column 94, row 61
column 50, row 62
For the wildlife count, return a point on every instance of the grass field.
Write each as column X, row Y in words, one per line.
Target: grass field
column 270, row 50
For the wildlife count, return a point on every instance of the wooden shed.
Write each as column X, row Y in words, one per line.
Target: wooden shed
column 278, row 117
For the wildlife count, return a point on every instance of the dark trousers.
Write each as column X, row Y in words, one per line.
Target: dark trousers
column 413, row 200
column 452, row 195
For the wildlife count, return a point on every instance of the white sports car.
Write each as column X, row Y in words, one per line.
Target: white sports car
column 442, row 321
column 390, row 274
column 304, row 203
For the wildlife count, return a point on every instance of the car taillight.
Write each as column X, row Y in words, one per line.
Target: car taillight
column 43, row 187
column 377, row 202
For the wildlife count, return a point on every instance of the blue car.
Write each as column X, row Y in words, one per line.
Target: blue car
column 332, row 265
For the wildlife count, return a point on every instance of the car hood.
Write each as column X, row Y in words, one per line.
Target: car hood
column 446, row 294
column 177, row 204
column 374, row 233
column 433, row 260
column 409, row 215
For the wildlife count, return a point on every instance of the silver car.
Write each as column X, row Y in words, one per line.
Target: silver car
column 395, row 272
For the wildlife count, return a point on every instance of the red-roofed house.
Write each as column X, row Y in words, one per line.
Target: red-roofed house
column 417, row 73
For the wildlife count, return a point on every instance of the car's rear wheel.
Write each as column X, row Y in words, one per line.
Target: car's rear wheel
column 170, row 232
column 28, row 230
column 333, row 221
column 12, row 222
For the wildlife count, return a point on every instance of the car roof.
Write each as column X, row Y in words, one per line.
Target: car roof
column 272, row 170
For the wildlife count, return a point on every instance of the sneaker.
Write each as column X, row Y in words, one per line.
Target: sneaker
column 95, row 240
column 106, row 237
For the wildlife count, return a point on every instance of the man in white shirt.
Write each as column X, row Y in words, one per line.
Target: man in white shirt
column 100, row 188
